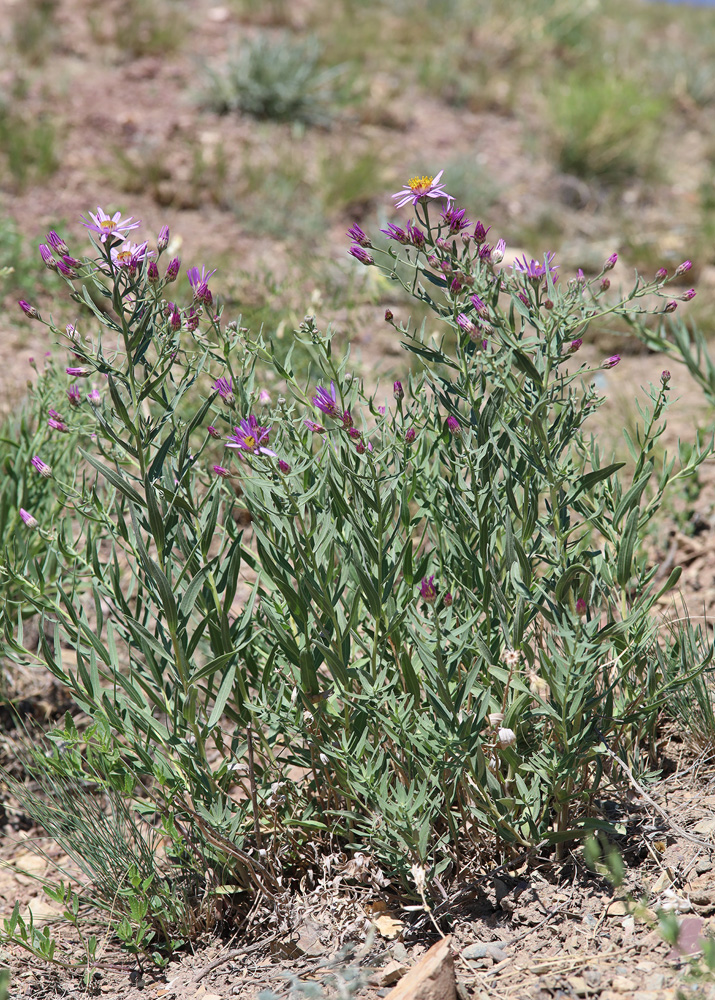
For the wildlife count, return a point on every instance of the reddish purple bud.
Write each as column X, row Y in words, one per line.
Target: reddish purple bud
column 661, row 274
column 314, row 427
column 410, row 435
column 581, row 606
column 175, row 319
column 682, row 268
column 448, row 600
column 575, row 345
column 356, row 234
column 64, row 270
column 671, row 306
column 359, row 254
column 548, row 304
column 47, row 259
column 605, row 284
column 224, row 387
column 360, row 447
column 479, row 305
column 388, row 316
column 57, row 425
column 29, row 520
column 74, row 396
column 480, row 233
column 690, row 294
column 397, row 391
column 455, row 285
column 416, row 237
column 192, row 319
column 354, row 433
column 611, row 262
column 665, row 376
column 94, row 398
column 28, row 309
column 172, row 269
column 152, row 272
column 77, row 372
column 57, row 243
column 221, row 472
column 453, row 425
column 42, row 467
column 428, row 591
column 612, row 361
column 283, row 466
column 213, row 432
column 162, row 240
column 347, row 420
column 465, row 323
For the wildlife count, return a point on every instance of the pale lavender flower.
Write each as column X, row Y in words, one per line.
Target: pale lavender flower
column 428, row 591
column 224, row 387
column 29, row 520
column 129, row 254
column 104, row 225
column 162, row 240
column 264, row 397
column 612, row 361
column 419, row 190
column 326, row 401
column 499, row 251
column 358, row 236
column 42, row 467
column 57, row 243
column 250, row 436
column 534, row 269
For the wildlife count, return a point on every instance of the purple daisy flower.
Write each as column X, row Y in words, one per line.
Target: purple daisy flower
column 199, row 279
column 394, row 232
column 250, row 437
column 419, row 189
column 104, row 225
column 428, row 591
column 535, row 270
column 325, row 401
column 74, row 396
column 129, row 254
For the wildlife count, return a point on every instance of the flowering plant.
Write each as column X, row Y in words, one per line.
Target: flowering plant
column 439, row 612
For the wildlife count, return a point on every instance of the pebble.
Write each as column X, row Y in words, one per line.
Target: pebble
column 703, row 866
column 475, row 951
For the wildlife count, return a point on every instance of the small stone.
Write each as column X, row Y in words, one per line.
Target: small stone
column 475, row 951
column 617, row 908
column 578, row 986
column 497, row 953
column 389, row 975
column 703, row 866
column 655, row 982
column 705, row 826
column 622, row 984
column 432, row 978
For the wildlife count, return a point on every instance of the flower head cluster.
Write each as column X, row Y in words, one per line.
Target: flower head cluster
column 251, row 437
column 326, row 402
column 129, row 255
column 107, row 226
column 455, row 219
column 199, row 281
column 419, row 190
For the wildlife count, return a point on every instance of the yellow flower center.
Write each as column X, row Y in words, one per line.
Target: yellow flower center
column 420, row 185
column 250, row 442
column 124, row 256
column 107, row 224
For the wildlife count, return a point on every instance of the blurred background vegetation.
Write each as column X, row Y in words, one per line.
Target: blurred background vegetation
column 260, row 129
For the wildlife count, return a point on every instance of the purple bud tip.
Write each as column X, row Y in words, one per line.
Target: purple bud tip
column 428, row 591
column 665, row 376
column 448, row 600
column 152, row 271
column 612, row 361
column 581, row 606
column 388, row 315
column 410, row 435
column 362, row 255
column 690, row 294
column 41, row 467
column 611, row 262
column 283, row 466
column 682, row 268
column 661, row 274
column 172, row 269
column 398, row 391
column 453, row 425
column 213, row 432
column 162, row 240
column 28, row 309
column 47, row 259
column 221, row 472
column 29, row 520
column 671, row 306
column 57, row 243
column 575, row 345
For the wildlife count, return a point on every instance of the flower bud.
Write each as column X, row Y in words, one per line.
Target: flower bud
column 28, row 309
column 661, row 274
column 690, row 294
column 162, row 240
column 410, row 435
column 611, row 262
column 29, row 520
column 453, row 425
column 388, row 315
column 605, row 284
column 612, row 361
column 172, row 269
column 670, row 307
column 57, row 243
column 428, row 591
column 47, row 259
column 397, row 391
column 506, row 737
column 682, row 268
column 498, row 252
column 42, row 467
column 575, row 345
column 665, row 376
column 283, row 467
column 448, row 600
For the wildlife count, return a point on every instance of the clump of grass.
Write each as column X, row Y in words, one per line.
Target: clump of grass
column 21, row 272
column 141, row 27
column 349, row 184
column 34, row 30
column 28, row 148
column 275, row 78
column 605, row 128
